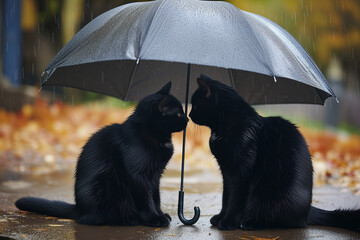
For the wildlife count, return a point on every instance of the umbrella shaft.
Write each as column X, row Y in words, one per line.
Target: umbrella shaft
column 184, row 133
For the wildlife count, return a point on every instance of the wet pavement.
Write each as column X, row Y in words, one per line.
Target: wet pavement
column 202, row 189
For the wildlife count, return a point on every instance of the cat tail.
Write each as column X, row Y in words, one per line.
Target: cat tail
column 348, row 219
column 47, row 207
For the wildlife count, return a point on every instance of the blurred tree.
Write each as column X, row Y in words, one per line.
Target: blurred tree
column 71, row 16
column 326, row 29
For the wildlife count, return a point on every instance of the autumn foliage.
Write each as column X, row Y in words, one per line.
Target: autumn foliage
column 42, row 138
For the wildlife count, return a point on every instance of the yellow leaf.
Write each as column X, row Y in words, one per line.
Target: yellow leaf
column 55, row 225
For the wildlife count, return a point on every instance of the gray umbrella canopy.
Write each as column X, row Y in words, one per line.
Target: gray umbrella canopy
column 132, row 50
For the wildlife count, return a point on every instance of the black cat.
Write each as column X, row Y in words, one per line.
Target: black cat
column 265, row 163
column 118, row 171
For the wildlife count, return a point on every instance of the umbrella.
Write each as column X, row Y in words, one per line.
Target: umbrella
column 131, row 50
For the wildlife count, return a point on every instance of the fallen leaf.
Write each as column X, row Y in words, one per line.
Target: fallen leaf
column 157, row 229
column 55, row 225
column 65, row 220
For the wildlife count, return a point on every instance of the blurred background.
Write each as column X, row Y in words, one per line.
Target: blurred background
column 39, row 129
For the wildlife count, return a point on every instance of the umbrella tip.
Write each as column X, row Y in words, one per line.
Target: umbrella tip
column 337, row 100
column 275, row 80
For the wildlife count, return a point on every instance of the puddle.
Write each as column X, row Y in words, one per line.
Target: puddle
column 16, row 185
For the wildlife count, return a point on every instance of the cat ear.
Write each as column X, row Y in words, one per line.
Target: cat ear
column 165, row 90
column 162, row 103
column 204, row 86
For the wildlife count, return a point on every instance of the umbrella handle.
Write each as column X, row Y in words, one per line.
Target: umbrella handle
column 181, row 211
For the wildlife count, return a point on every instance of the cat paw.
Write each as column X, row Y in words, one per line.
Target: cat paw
column 168, row 216
column 158, row 221
column 227, row 224
column 215, row 220
column 248, row 226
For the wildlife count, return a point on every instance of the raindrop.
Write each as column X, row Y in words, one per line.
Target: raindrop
column 39, row 44
column 307, row 10
column 72, row 100
column 32, row 69
column 314, row 46
column 304, row 26
column 53, row 38
column 34, row 51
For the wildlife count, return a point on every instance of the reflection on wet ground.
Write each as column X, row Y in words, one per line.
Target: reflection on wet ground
column 202, row 188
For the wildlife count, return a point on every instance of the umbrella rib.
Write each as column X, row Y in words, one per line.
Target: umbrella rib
column 132, row 78
column 151, row 23
column 270, row 68
column 231, row 78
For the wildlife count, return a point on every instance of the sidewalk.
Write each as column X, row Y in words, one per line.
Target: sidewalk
column 59, row 185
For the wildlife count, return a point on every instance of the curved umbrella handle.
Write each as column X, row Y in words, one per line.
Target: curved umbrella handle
column 181, row 211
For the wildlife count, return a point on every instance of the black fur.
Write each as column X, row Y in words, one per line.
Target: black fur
column 265, row 163
column 118, row 171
